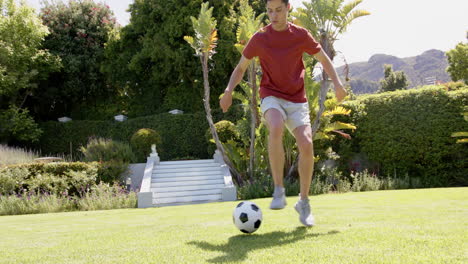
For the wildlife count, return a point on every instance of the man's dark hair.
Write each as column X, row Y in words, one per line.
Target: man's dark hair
column 286, row 2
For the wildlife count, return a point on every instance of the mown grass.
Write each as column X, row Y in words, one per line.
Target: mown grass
column 404, row 226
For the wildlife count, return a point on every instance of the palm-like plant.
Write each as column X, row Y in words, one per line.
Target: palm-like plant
column 204, row 44
column 248, row 25
column 325, row 20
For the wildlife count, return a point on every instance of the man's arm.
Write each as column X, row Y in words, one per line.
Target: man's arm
column 236, row 77
column 340, row 92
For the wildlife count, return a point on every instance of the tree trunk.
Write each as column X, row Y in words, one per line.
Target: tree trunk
column 209, row 118
column 254, row 117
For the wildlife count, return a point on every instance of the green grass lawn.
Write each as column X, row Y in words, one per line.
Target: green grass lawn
column 406, row 226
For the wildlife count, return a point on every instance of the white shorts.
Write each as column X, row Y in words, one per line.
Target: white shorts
column 294, row 114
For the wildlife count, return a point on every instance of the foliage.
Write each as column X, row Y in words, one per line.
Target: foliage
column 226, row 131
column 409, row 133
column 181, row 135
column 464, row 135
column 205, row 31
column 151, row 76
column 79, row 31
column 51, row 178
column 101, row 149
column 328, row 18
column 18, row 125
column 13, row 155
column 142, row 140
column 454, row 86
column 31, row 203
column 114, row 157
column 361, row 86
column 393, row 80
column 23, row 62
column 105, row 197
column 204, row 44
column 248, row 24
column 458, row 62
column 325, row 20
column 99, row 197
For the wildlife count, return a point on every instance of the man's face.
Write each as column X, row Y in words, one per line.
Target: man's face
column 277, row 13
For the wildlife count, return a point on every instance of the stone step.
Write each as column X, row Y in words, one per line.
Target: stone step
column 186, row 183
column 157, row 195
column 180, row 166
column 193, row 169
column 187, row 188
column 158, row 179
column 188, row 199
column 203, row 161
column 185, row 174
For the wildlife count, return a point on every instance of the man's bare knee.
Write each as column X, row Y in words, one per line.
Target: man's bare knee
column 304, row 140
column 275, row 123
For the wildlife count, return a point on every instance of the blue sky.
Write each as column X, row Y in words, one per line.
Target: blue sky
column 402, row 28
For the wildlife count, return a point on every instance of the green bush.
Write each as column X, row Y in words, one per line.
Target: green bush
column 101, row 149
column 53, row 178
column 226, row 131
column 114, row 157
column 142, row 140
column 18, row 125
column 364, row 181
column 409, row 133
column 454, row 86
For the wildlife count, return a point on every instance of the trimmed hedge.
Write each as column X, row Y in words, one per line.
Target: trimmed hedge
column 409, row 133
column 181, row 135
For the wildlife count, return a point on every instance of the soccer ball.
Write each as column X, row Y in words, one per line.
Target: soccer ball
column 247, row 216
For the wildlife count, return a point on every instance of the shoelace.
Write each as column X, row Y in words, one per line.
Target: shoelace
column 305, row 206
column 277, row 195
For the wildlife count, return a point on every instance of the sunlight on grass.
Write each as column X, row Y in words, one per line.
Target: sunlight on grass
column 404, row 226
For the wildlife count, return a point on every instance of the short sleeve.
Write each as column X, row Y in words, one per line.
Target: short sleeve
column 311, row 45
column 251, row 49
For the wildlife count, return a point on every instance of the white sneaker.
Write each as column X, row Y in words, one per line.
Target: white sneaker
column 305, row 214
column 279, row 199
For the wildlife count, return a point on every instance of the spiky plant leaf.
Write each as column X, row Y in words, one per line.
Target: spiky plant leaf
column 205, row 39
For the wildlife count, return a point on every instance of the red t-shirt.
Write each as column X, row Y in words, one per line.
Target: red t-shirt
column 280, row 54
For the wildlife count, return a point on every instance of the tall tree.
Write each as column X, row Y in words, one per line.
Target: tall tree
column 458, row 62
column 326, row 20
column 248, row 24
column 155, row 65
column 23, row 64
column 79, row 32
column 22, row 61
column 392, row 80
column 204, row 44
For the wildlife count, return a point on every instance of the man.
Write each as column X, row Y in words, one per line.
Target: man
column 280, row 46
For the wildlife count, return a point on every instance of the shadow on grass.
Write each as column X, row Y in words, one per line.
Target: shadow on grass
column 237, row 247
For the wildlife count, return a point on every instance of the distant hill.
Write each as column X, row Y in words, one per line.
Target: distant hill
column 365, row 76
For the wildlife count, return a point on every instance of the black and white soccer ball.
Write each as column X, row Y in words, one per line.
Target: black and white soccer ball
column 247, row 216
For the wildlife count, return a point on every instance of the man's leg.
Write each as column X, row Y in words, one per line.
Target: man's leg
column 303, row 135
column 275, row 124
